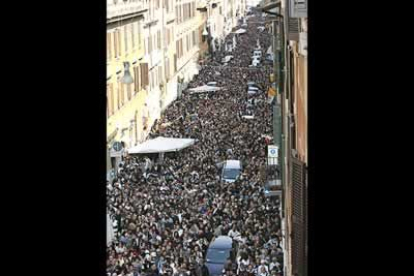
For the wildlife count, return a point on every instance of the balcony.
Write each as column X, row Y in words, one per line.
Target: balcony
column 124, row 9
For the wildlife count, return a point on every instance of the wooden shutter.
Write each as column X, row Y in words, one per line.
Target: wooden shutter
column 129, row 91
column 119, row 43
column 293, row 29
column 136, row 80
column 109, row 45
column 144, row 75
column 126, row 38
column 116, row 44
column 139, row 34
column 298, row 216
column 118, row 98
column 160, row 74
column 133, row 35
column 110, row 98
column 121, row 92
column 159, row 40
column 175, row 63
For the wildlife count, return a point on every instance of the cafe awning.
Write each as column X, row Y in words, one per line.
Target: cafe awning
column 161, row 144
column 204, row 89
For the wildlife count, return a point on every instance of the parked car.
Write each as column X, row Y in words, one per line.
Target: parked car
column 231, row 170
column 251, row 83
column 212, row 83
column 255, row 62
column 253, row 90
column 257, row 53
column 221, row 250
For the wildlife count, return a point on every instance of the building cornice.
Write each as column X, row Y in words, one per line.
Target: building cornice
column 126, row 16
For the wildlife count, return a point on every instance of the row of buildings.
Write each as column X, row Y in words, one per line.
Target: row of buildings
column 159, row 43
column 289, row 25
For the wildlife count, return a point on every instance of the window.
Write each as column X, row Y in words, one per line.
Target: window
column 116, row 53
column 108, row 46
column 129, row 91
column 177, row 47
column 126, row 38
column 110, row 98
column 194, row 38
column 121, row 94
column 144, row 75
column 152, row 80
column 136, row 79
column 159, row 74
column 159, row 39
column 133, row 35
column 139, row 34
column 119, row 43
column 175, row 63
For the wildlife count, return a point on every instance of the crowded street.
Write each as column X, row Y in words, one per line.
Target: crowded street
column 167, row 211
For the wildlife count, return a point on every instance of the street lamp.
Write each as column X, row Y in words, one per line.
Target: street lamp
column 127, row 78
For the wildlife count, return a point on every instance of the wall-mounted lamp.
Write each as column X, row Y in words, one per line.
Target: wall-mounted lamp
column 127, row 78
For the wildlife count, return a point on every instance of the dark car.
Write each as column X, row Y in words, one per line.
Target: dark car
column 221, row 250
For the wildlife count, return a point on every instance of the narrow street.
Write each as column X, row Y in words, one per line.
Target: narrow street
column 169, row 215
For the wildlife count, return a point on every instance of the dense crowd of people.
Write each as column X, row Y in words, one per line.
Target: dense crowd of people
column 167, row 213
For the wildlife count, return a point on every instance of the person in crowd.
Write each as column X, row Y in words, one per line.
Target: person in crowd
column 166, row 214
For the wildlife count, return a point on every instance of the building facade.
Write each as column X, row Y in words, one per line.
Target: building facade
column 125, row 102
column 295, row 123
column 161, row 41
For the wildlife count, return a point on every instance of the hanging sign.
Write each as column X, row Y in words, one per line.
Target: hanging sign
column 272, row 151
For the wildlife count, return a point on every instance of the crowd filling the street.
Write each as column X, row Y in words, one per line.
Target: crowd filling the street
column 167, row 212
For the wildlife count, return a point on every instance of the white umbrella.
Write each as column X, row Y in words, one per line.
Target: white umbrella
column 240, row 31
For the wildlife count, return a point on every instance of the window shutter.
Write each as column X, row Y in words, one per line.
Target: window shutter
column 139, row 34
column 129, row 91
column 293, row 29
column 119, row 43
column 144, row 75
column 126, row 38
column 118, row 98
column 160, row 74
column 121, row 91
column 110, row 99
column 116, row 44
column 298, row 216
column 133, row 35
column 136, row 79
column 109, row 45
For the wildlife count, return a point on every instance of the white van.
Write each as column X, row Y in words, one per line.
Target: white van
column 255, row 62
column 231, row 170
column 257, row 54
column 212, row 83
